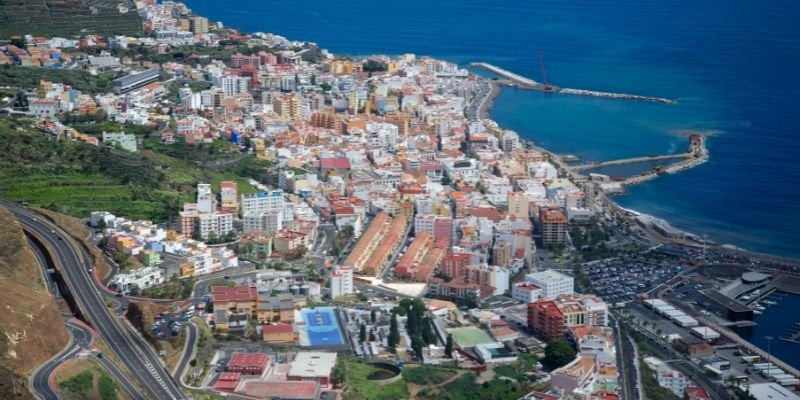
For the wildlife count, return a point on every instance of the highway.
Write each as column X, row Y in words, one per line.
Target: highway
column 126, row 344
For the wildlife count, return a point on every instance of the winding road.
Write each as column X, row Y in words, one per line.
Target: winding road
column 124, row 342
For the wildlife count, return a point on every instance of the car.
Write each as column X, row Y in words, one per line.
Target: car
column 118, row 294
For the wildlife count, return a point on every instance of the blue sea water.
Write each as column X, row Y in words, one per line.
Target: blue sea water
column 774, row 321
column 734, row 67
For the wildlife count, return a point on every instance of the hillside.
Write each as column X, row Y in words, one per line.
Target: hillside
column 68, row 18
column 76, row 178
column 31, row 330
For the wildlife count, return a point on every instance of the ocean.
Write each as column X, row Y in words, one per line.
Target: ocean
column 734, row 68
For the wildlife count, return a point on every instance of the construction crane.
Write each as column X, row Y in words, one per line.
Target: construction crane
column 545, row 86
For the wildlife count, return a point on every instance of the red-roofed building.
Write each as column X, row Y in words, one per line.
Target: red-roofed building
column 278, row 333
column 228, row 381
column 240, row 299
column 340, row 165
column 454, row 264
column 696, row 393
column 546, row 320
column 249, row 363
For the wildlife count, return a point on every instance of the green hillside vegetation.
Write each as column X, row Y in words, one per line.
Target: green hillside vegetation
column 67, row 18
column 76, row 178
column 29, row 77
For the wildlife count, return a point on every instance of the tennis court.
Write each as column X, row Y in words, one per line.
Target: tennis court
column 322, row 326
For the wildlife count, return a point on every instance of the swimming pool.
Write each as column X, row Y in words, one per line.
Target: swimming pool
column 322, row 326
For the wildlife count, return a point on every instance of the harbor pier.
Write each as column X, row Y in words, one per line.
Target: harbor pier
column 521, row 82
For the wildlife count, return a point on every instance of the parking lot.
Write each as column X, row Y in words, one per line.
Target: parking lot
column 620, row 280
column 169, row 325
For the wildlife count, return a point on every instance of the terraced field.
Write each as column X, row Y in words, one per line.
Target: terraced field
column 75, row 178
column 68, row 18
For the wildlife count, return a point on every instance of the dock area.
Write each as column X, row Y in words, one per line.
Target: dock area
column 521, row 82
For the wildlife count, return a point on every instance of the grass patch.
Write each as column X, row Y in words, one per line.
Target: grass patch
column 466, row 388
column 175, row 288
column 358, row 387
column 92, row 382
column 426, row 375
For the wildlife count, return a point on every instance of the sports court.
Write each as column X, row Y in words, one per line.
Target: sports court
column 470, row 336
column 322, row 326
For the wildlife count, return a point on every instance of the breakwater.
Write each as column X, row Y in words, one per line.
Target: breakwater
column 521, row 82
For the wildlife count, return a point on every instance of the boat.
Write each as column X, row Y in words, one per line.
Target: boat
column 770, row 302
column 756, row 312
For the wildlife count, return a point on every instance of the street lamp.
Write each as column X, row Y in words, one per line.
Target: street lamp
column 769, row 352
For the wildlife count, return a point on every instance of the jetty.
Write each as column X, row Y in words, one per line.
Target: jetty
column 521, row 82
column 634, row 160
column 696, row 154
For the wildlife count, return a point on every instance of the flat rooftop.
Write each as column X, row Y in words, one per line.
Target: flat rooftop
column 312, row 364
column 549, row 276
column 772, row 391
column 725, row 301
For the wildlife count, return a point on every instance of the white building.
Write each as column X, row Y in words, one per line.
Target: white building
column 525, row 292
column 596, row 310
column 341, row 282
column 45, row 108
column 202, row 262
column 205, row 198
column 141, row 278
column 233, row 85
column 267, row 221
column 510, row 141
column 96, row 216
column 552, row 283
column 272, row 200
column 122, row 139
column 667, row 377
column 218, row 223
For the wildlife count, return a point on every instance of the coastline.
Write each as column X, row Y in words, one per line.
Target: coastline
column 691, row 239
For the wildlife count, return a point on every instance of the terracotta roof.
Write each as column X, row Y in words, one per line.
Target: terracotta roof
column 276, row 329
column 334, row 163
column 246, row 360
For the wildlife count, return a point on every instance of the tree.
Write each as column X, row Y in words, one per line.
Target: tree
column 448, row 347
column 416, row 345
column 558, row 353
column 372, row 316
column 427, row 331
column 394, row 333
column 471, row 301
column 362, row 333
column 446, row 180
column 339, row 373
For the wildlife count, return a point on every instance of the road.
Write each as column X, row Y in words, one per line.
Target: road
column 127, row 345
column 81, row 340
column 657, row 347
column 189, row 350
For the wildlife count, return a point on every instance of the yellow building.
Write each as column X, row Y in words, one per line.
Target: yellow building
column 288, row 107
column 199, row 25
